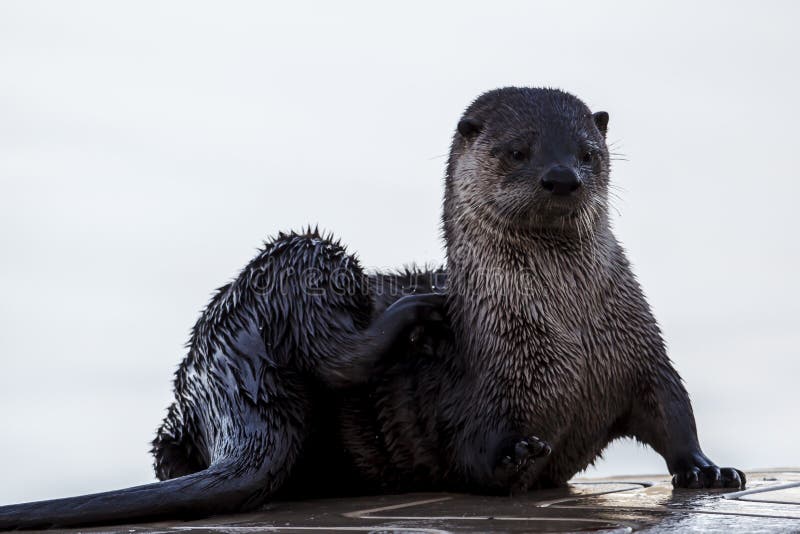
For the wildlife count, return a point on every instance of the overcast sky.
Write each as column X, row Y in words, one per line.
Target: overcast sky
column 147, row 148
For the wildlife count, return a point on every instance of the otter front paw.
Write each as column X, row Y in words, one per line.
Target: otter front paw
column 709, row 476
column 516, row 457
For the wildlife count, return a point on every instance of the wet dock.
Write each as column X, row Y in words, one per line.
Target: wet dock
column 771, row 503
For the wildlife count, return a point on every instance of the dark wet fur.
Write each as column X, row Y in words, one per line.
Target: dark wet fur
column 254, row 395
column 548, row 353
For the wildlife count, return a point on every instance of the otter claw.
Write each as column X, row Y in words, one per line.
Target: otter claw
column 709, row 476
column 517, row 456
column 524, row 451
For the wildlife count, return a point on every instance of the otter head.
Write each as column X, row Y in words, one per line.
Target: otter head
column 531, row 160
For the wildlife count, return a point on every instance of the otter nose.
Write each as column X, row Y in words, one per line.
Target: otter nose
column 560, row 180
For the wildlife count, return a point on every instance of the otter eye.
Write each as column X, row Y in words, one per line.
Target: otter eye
column 518, row 155
column 587, row 156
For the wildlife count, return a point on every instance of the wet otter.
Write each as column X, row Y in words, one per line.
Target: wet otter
column 553, row 344
column 549, row 354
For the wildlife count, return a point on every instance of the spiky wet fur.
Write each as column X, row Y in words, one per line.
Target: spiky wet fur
column 250, row 394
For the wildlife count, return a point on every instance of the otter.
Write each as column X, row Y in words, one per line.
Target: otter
column 305, row 376
column 552, row 351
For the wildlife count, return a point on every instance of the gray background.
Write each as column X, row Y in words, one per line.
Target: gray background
column 147, row 148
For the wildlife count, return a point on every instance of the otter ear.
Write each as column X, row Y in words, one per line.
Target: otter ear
column 469, row 127
column 601, row 120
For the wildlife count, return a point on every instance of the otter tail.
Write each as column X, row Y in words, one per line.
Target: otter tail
column 222, row 488
column 257, row 461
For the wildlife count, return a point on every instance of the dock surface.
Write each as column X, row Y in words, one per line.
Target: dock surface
column 771, row 503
